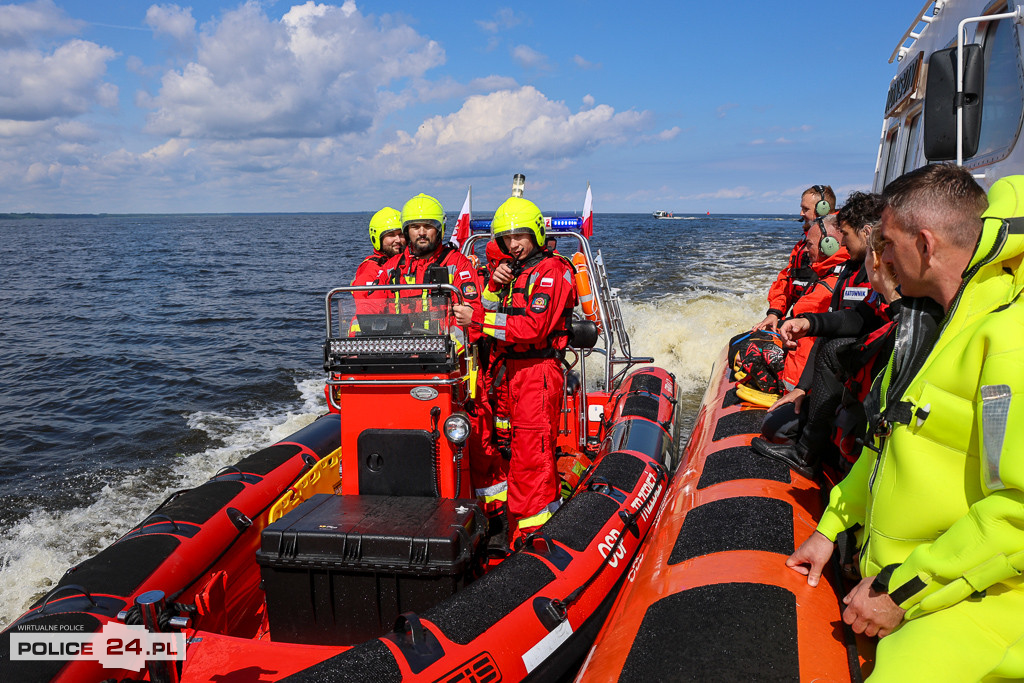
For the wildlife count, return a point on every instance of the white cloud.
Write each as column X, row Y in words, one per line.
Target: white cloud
column 20, row 24
column 588, row 101
column 35, row 86
column 504, row 18
column 529, row 58
column 318, row 71
column 491, row 131
column 669, row 134
column 584, row 64
column 173, row 21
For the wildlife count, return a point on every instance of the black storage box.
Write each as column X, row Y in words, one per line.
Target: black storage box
column 338, row 570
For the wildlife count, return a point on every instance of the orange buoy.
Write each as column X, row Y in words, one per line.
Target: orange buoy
column 583, row 290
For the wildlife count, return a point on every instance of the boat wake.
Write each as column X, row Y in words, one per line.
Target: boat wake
column 36, row 550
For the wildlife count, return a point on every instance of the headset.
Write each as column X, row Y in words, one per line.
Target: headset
column 822, row 208
column 827, row 244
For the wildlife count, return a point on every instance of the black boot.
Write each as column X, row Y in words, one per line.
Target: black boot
column 786, row 453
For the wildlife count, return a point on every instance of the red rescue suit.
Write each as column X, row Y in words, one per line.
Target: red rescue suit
column 368, row 272
column 529, row 323
column 791, row 282
column 815, row 299
column 445, row 265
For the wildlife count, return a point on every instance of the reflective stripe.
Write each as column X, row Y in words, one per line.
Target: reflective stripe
column 995, row 409
column 490, row 300
column 502, row 423
column 541, row 517
column 493, row 493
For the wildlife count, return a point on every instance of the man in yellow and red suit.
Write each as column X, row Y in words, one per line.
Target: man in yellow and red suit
column 528, row 307
column 388, row 239
column 939, row 492
column 816, row 202
column 427, row 260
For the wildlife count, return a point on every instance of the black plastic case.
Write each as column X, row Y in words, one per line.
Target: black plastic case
column 338, row 570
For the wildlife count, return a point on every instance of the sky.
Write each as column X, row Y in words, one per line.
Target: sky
column 125, row 106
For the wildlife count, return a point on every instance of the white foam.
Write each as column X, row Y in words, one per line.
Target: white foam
column 37, row 550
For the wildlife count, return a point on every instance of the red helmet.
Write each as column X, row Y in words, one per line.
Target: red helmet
column 494, row 254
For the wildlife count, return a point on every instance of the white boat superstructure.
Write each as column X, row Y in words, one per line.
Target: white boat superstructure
column 921, row 125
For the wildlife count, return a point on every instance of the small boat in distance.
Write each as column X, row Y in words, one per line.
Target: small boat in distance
column 663, row 214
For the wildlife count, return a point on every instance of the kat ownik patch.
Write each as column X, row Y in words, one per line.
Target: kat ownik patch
column 539, row 303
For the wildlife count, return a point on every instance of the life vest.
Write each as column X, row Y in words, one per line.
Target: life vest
column 757, row 361
column 521, row 299
column 861, row 362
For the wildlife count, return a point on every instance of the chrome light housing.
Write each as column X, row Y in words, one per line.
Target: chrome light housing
column 456, row 428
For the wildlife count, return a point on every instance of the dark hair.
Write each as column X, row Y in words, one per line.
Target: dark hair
column 943, row 198
column 860, row 209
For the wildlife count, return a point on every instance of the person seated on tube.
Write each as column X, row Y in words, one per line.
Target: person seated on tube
column 527, row 310
column 938, row 492
column 816, row 202
column 798, row 429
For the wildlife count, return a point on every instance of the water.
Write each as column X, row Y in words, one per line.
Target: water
column 140, row 354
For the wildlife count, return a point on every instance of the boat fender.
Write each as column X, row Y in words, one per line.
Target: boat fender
column 751, row 395
column 583, row 289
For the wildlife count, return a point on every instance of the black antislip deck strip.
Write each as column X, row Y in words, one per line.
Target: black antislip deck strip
column 731, row 399
column 646, row 382
column 621, row 470
column 741, row 462
column 265, row 461
column 369, row 662
column 483, row 603
column 721, row 632
column 743, row 523
column 641, row 405
column 120, row 568
column 577, row 522
column 198, row 505
column 742, row 422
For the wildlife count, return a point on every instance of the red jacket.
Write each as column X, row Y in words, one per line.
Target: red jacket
column 532, row 314
column 815, row 299
column 791, row 281
column 451, row 266
column 368, row 273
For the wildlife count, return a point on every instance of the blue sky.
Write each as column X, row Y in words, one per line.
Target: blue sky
column 131, row 106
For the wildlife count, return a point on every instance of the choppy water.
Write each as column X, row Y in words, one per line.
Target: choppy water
column 140, row 354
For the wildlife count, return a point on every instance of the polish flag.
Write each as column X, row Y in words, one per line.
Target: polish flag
column 462, row 227
column 588, row 214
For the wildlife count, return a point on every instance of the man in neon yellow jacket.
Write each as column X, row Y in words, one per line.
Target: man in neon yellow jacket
column 941, row 501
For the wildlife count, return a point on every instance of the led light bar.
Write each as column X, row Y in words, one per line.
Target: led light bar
column 402, row 346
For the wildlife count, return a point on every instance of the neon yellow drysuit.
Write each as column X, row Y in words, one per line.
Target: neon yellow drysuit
column 942, row 505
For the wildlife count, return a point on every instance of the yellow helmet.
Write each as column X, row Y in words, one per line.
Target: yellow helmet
column 424, row 209
column 383, row 222
column 517, row 216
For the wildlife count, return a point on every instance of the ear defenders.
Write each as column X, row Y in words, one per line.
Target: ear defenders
column 822, row 208
column 827, row 245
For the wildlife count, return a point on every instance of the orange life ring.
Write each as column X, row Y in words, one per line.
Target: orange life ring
column 586, row 295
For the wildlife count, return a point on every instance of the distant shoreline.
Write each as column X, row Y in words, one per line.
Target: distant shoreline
column 556, row 214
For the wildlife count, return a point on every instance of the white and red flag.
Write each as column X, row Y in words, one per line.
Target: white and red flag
column 462, row 227
column 588, row 215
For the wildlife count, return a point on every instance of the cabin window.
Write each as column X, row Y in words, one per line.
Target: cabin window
column 889, row 155
column 1002, row 107
column 913, row 141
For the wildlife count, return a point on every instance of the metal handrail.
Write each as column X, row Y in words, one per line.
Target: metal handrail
column 329, row 298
